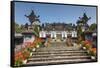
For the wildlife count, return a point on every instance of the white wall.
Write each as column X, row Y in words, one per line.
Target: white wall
column 5, row 34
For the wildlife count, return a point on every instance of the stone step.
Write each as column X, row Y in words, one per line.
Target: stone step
column 59, row 51
column 58, row 61
column 58, row 48
column 58, row 57
column 58, row 54
column 55, row 49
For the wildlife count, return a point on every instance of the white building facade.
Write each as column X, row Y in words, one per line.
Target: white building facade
column 53, row 34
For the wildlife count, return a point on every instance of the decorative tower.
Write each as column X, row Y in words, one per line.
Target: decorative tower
column 34, row 22
column 33, row 19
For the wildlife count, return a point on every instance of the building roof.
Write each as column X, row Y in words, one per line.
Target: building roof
column 18, row 34
column 29, row 32
column 58, row 26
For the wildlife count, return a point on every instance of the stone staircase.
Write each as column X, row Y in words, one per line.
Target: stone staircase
column 59, row 36
column 58, row 53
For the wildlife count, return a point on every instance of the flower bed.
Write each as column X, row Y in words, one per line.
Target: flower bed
column 87, row 45
column 22, row 56
column 93, row 53
column 19, row 58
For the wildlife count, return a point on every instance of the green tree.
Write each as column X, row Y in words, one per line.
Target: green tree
column 82, row 22
column 18, row 28
column 93, row 27
column 37, row 29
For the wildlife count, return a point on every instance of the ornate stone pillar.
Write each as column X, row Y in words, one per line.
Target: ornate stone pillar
column 64, row 34
column 53, row 34
column 42, row 34
column 74, row 34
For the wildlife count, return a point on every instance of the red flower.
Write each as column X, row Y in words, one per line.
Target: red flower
column 19, row 56
column 88, row 42
column 25, row 54
column 93, row 50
